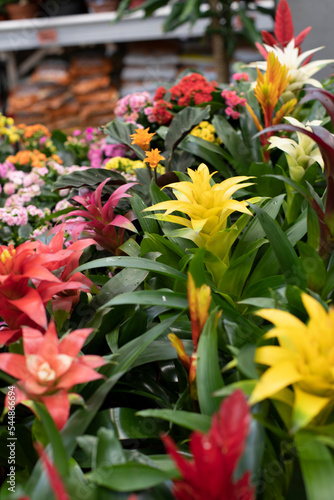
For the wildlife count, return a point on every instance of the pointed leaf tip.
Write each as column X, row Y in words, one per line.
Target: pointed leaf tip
column 283, row 23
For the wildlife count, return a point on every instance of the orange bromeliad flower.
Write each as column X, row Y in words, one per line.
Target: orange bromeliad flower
column 142, row 138
column 153, row 158
column 49, row 368
column 199, row 300
column 269, row 87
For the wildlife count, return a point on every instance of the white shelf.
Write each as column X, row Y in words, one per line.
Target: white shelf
column 86, row 29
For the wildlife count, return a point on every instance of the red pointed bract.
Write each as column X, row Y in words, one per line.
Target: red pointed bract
column 283, row 23
column 209, row 475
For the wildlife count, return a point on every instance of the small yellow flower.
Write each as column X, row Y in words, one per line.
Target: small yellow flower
column 142, row 138
column 153, row 158
column 206, row 206
column 206, row 131
column 304, row 360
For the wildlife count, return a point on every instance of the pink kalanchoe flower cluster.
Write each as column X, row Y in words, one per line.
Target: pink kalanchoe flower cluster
column 14, row 216
column 131, row 106
column 233, row 100
column 241, row 77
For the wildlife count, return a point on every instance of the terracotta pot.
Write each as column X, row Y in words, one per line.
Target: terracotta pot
column 102, row 5
column 17, row 11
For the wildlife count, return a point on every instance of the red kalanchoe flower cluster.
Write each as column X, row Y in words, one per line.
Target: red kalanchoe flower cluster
column 209, row 475
column 49, row 368
column 160, row 112
column 233, row 100
column 30, row 276
column 160, row 93
column 192, row 89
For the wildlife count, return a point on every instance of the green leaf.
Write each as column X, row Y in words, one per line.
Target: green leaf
column 234, row 142
column 128, row 477
column 317, row 466
column 207, row 151
column 59, row 452
column 109, row 450
column 191, row 421
column 208, row 376
column 148, row 225
column 236, row 274
column 197, row 268
column 282, row 248
column 314, row 268
column 90, row 177
column 254, row 231
column 181, row 125
column 130, row 425
column 123, row 282
column 150, row 298
column 121, row 132
column 133, row 263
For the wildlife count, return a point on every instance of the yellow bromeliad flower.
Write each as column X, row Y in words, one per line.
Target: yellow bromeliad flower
column 207, row 206
column 142, row 138
column 304, row 360
column 269, row 87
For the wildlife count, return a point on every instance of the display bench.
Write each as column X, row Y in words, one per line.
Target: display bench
column 45, row 35
column 85, row 29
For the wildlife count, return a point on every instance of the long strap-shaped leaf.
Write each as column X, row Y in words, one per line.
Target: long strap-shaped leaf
column 317, row 466
column 282, row 248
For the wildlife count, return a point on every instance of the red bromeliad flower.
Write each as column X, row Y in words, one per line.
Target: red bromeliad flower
column 209, row 475
column 64, row 295
column 102, row 221
column 30, row 276
column 49, row 368
column 283, row 31
column 20, row 304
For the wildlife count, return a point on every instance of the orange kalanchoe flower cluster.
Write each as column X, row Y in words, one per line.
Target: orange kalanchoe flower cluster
column 142, row 138
column 30, row 130
column 33, row 159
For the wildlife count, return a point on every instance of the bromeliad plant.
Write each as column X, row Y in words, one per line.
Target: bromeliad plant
column 161, row 330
